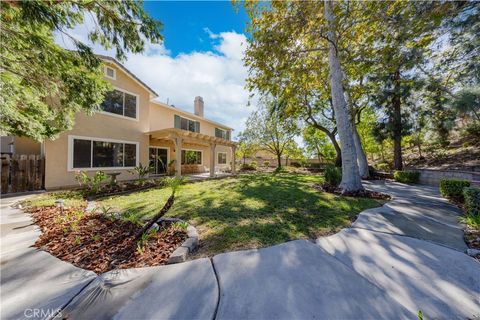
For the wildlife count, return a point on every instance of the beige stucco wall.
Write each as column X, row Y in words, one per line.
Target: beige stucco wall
column 100, row 126
column 22, row 145
column 162, row 117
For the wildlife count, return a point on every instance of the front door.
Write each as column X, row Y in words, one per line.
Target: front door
column 158, row 160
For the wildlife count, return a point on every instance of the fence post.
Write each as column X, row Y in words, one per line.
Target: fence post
column 5, row 174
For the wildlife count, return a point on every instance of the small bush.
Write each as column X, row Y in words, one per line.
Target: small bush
column 472, row 201
column 266, row 163
column 295, row 164
column 453, row 188
column 248, row 166
column 406, row 176
column 383, row 166
column 91, row 184
column 333, row 176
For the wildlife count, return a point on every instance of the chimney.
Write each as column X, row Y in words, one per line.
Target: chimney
column 198, row 106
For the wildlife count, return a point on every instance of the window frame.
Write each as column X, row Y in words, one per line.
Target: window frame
column 105, row 68
column 137, row 106
column 223, row 130
column 226, row 162
column 201, row 157
column 188, row 125
column 71, row 138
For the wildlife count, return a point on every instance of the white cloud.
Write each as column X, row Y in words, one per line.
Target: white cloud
column 218, row 76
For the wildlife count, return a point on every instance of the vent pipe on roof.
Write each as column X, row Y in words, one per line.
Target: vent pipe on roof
column 198, row 106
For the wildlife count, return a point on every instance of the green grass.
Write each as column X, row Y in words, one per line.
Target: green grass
column 250, row 210
column 472, row 221
column 71, row 199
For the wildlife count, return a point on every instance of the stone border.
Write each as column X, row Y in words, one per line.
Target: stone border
column 188, row 246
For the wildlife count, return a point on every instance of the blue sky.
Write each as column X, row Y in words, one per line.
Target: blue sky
column 202, row 55
column 186, row 22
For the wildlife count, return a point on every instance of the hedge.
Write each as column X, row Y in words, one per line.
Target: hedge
column 333, row 176
column 472, row 200
column 406, row 176
column 453, row 188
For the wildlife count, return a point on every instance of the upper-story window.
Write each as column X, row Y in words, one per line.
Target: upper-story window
column 121, row 103
column 186, row 124
column 110, row 73
column 223, row 134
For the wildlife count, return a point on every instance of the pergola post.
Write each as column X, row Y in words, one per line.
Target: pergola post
column 178, row 156
column 234, row 148
column 212, row 159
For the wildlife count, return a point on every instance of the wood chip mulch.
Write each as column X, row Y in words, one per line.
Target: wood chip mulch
column 98, row 243
column 357, row 194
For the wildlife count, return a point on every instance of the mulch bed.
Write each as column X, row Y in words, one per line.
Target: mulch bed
column 95, row 242
column 358, row 194
column 120, row 188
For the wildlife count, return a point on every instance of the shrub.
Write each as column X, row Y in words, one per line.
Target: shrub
column 295, row 164
column 266, row 163
column 383, row 166
column 333, row 176
column 142, row 172
column 254, row 164
column 248, row 166
column 453, row 188
column 472, row 201
column 406, row 176
column 92, row 184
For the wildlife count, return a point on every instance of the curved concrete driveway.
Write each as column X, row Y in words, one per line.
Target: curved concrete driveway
column 395, row 260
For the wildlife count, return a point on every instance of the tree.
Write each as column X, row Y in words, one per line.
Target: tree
column 317, row 144
column 292, row 151
column 350, row 175
column 406, row 30
column 268, row 130
column 246, row 147
column 43, row 85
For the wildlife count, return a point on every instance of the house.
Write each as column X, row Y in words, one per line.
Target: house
column 134, row 129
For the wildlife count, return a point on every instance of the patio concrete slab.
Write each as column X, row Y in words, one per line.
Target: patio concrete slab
column 296, row 280
column 34, row 283
column 443, row 283
column 415, row 211
column 181, row 291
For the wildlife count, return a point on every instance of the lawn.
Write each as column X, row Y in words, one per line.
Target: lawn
column 249, row 211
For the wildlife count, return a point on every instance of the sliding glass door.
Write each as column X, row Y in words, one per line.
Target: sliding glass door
column 158, row 160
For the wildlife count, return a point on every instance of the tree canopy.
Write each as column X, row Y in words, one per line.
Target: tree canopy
column 43, row 85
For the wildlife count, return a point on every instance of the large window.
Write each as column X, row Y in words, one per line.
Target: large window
column 186, row 124
column 223, row 134
column 120, row 103
column 95, row 153
column 222, row 158
column 191, row 157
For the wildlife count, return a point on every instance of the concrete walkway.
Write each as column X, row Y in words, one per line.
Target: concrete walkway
column 395, row 260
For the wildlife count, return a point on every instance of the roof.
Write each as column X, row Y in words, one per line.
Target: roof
column 118, row 64
column 191, row 115
column 170, row 133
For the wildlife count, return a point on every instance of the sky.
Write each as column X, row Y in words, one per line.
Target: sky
column 201, row 56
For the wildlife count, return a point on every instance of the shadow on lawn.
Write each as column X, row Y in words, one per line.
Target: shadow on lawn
column 259, row 210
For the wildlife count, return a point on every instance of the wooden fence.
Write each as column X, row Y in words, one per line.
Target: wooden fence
column 22, row 173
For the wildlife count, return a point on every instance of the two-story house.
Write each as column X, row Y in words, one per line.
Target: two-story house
column 133, row 128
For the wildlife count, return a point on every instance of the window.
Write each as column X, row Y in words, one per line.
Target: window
column 120, row 103
column 110, row 73
column 186, row 124
column 191, row 157
column 222, row 158
column 96, row 153
column 223, row 134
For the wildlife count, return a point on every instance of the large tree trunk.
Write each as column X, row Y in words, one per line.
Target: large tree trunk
column 338, row 151
column 397, row 125
column 279, row 159
column 361, row 156
column 351, row 180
